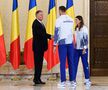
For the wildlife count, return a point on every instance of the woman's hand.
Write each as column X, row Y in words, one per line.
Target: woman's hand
column 84, row 51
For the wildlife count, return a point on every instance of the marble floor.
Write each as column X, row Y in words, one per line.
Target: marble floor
column 23, row 82
column 98, row 83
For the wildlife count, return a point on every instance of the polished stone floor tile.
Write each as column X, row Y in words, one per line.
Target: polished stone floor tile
column 98, row 83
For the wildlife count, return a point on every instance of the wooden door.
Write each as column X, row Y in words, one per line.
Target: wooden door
column 99, row 37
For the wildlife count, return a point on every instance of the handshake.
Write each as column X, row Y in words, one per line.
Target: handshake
column 52, row 36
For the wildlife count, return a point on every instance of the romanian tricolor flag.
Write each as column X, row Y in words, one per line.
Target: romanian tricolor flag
column 2, row 45
column 28, row 52
column 71, row 13
column 70, row 9
column 15, row 37
column 51, row 58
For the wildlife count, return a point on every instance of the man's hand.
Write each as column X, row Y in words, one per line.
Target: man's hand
column 54, row 49
column 52, row 37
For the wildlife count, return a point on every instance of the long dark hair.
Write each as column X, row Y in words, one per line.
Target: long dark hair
column 81, row 23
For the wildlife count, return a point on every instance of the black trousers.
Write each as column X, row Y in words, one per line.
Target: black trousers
column 38, row 61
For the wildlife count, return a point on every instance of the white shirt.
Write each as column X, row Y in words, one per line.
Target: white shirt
column 39, row 21
column 81, row 38
column 63, row 30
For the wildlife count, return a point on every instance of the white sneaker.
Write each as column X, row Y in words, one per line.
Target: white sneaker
column 87, row 82
column 61, row 84
column 71, row 83
column 87, row 87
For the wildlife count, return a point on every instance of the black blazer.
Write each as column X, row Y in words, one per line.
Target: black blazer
column 40, row 37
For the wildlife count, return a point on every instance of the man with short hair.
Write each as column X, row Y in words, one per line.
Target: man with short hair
column 40, row 45
column 64, row 38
